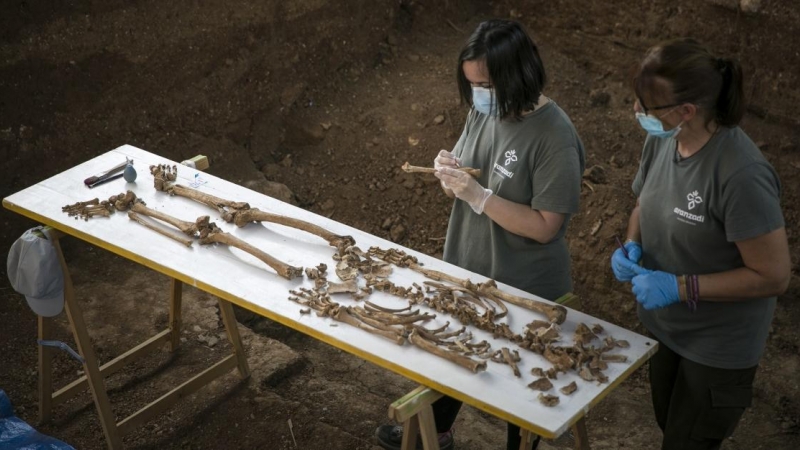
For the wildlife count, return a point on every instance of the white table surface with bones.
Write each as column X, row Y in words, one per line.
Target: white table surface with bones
column 248, row 282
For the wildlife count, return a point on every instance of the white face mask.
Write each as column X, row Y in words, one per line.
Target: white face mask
column 484, row 101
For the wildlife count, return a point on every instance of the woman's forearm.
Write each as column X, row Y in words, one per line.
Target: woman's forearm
column 766, row 271
column 541, row 226
column 738, row 284
column 634, row 230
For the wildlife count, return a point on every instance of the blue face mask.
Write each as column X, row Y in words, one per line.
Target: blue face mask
column 655, row 127
column 484, row 101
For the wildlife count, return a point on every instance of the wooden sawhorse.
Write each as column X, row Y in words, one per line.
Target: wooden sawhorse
column 94, row 373
column 415, row 412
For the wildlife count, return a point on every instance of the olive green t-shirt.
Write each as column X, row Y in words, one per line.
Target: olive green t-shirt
column 537, row 161
column 692, row 212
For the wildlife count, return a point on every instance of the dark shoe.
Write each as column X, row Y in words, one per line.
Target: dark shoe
column 390, row 437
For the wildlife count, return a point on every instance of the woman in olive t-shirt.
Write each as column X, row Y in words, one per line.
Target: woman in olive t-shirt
column 709, row 234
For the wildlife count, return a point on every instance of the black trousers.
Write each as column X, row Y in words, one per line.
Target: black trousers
column 446, row 409
column 697, row 406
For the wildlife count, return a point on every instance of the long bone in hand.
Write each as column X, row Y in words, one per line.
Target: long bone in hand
column 240, row 213
column 554, row 313
column 408, row 168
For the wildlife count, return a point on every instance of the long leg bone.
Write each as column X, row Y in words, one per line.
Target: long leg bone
column 183, row 240
column 227, row 208
column 243, row 217
column 215, row 235
column 187, row 228
column 240, row 213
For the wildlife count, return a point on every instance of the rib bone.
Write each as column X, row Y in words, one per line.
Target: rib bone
column 463, row 361
column 343, row 315
column 555, row 313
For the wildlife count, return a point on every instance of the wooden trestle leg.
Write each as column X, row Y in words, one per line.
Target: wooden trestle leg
column 94, row 373
column 414, row 411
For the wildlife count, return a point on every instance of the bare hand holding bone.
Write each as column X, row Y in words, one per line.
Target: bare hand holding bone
column 465, row 188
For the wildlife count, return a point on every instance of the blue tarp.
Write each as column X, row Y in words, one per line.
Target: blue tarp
column 16, row 434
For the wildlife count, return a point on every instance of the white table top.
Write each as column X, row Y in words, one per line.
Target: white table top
column 246, row 281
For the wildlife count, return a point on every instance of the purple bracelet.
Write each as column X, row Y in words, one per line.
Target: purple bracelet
column 695, row 292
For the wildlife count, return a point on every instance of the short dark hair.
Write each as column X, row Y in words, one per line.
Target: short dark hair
column 513, row 62
column 695, row 76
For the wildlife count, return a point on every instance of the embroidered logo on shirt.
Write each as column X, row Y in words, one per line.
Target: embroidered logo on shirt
column 510, row 156
column 693, row 200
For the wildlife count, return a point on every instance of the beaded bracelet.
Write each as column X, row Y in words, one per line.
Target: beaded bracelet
column 691, row 287
column 682, row 294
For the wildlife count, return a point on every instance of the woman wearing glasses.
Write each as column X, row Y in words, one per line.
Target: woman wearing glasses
column 509, row 223
column 707, row 252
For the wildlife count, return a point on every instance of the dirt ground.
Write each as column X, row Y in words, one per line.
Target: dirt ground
column 318, row 103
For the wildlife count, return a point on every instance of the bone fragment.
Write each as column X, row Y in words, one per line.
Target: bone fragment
column 125, row 201
column 583, row 335
column 475, row 173
column 463, row 361
column 348, row 286
column 597, row 364
column 345, row 271
column 548, row 400
column 600, row 376
column 559, row 358
column 215, row 235
column 542, row 384
column 547, row 334
column 511, row 360
column 613, row 358
column 183, row 240
column 569, row 389
column 79, row 205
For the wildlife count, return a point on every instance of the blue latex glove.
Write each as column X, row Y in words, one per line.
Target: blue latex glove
column 628, row 267
column 656, row 289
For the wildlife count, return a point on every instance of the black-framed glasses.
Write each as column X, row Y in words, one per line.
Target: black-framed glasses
column 645, row 109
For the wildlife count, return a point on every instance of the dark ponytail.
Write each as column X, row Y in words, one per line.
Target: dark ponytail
column 730, row 103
